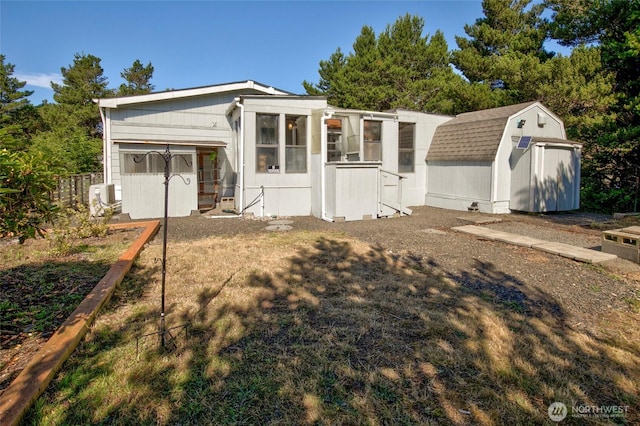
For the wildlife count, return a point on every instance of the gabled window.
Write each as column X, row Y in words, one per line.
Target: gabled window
column 406, row 147
column 295, row 144
column 372, row 140
column 267, row 159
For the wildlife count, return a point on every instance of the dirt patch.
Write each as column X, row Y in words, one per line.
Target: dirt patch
column 39, row 291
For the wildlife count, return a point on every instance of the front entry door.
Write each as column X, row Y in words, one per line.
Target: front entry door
column 208, row 179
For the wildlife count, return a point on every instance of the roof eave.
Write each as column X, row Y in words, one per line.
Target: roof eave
column 185, row 93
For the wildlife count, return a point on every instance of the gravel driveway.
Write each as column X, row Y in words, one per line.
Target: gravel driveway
column 584, row 296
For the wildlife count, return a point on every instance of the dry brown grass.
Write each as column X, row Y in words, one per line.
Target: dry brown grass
column 309, row 328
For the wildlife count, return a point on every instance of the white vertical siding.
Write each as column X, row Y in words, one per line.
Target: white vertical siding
column 522, row 182
column 143, row 194
column 352, row 191
column 552, row 128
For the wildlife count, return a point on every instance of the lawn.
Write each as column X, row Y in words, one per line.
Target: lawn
column 320, row 328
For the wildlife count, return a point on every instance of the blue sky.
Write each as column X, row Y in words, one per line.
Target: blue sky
column 199, row 43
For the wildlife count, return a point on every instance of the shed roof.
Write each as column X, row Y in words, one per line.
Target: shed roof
column 472, row 136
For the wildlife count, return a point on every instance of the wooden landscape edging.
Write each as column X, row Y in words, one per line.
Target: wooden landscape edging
column 39, row 372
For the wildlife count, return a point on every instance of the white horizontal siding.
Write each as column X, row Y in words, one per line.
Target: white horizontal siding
column 140, row 132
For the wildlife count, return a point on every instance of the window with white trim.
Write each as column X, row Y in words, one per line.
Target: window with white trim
column 267, row 158
column 372, row 140
column 295, row 144
column 406, row 147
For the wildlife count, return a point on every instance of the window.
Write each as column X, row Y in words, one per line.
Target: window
column 406, row 147
column 334, row 139
column 372, row 140
column 267, row 159
column 153, row 163
column 295, row 144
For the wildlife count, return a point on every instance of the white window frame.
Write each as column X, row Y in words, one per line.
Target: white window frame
column 264, row 147
column 406, row 168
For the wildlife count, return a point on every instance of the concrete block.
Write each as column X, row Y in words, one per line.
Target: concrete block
column 624, row 243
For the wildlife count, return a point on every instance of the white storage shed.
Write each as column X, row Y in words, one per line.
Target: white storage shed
column 479, row 159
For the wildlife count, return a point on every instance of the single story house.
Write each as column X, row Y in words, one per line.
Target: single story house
column 267, row 152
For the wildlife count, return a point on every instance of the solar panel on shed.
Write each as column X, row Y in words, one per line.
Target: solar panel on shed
column 524, row 142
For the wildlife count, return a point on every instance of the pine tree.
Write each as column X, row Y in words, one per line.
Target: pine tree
column 400, row 68
column 74, row 137
column 611, row 170
column 138, row 79
column 18, row 117
column 505, row 49
column 82, row 82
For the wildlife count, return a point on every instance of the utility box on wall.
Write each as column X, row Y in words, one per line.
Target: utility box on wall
column 101, row 197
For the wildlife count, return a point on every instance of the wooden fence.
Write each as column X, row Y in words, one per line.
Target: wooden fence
column 74, row 189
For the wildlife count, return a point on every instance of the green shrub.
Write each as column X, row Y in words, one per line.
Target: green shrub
column 26, row 181
column 78, row 223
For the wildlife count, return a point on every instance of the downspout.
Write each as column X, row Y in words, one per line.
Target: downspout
column 323, row 156
column 106, row 151
column 241, row 154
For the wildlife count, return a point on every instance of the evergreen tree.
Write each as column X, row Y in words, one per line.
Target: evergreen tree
column 505, row 49
column 578, row 89
column 611, row 170
column 330, row 78
column 400, row 68
column 74, row 136
column 18, row 117
column 138, row 79
column 82, row 83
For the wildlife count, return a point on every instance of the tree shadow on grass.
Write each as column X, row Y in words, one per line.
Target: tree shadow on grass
column 351, row 335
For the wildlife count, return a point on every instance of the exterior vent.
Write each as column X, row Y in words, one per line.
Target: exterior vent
column 542, row 119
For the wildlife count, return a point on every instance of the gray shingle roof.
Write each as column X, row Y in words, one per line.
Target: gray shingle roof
column 472, row 136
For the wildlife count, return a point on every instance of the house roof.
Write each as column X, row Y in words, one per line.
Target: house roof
column 248, row 86
column 472, row 136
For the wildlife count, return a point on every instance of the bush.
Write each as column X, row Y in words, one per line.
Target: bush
column 75, row 224
column 26, row 182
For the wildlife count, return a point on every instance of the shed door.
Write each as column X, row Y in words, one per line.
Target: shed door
column 556, row 188
column 566, row 180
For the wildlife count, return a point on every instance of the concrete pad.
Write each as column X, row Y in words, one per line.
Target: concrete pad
column 475, row 230
column 278, row 228
column 580, row 254
column 281, row 222
column 520, row 240
column 481, row 220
